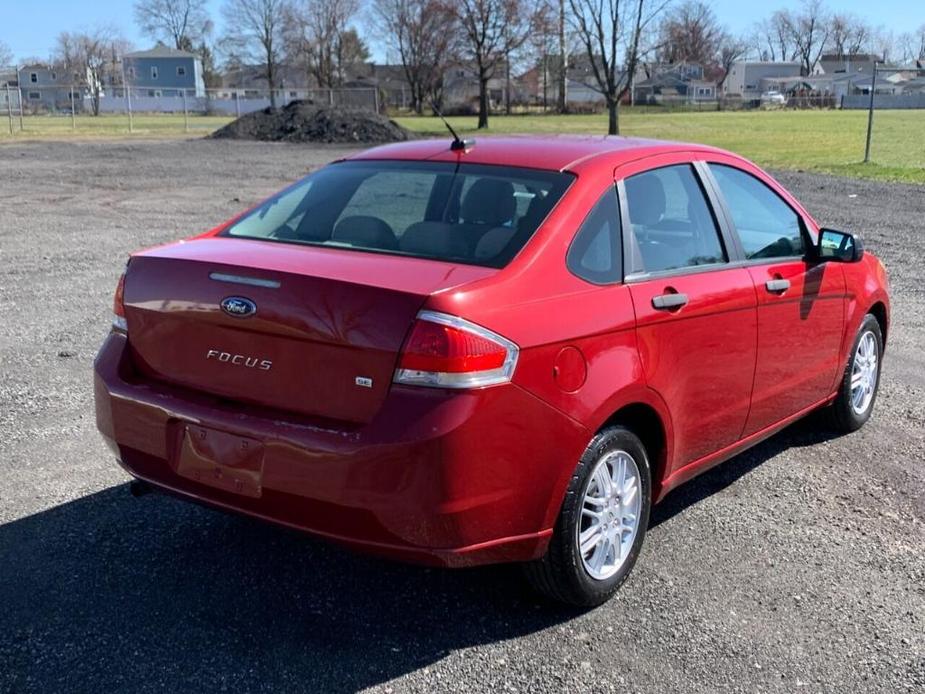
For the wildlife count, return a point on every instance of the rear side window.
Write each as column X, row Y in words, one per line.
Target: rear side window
column 595, row 254
column 767, row 226
column 467, row 213
column 672, row 224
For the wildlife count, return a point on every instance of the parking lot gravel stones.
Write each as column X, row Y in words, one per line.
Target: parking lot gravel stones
column 798, row 566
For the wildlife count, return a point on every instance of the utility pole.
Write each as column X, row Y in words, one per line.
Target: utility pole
column 563, row 62
column 19, row 96
column 9, row 107
column 128, row 96
column 870, row 113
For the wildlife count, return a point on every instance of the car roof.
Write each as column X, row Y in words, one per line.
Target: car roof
column 551, row 152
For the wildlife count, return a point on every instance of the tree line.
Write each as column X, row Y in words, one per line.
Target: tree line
column 615, row 41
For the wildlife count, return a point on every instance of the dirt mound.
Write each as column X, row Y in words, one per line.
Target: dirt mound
column 304, row 121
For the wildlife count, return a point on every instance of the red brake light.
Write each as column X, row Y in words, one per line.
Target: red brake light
column 118, row 306
column 448, row 352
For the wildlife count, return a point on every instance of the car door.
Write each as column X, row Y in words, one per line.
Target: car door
column 801, row 302
column 695, row 310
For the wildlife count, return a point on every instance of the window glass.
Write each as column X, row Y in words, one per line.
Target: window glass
column 767, row 226
column 672, row 224
column 595, row 253
column 399, row 201
column 475, row 214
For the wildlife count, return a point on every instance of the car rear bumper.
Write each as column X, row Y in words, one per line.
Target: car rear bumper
column 437, row 477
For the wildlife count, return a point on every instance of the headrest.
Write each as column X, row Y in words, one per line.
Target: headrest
column 361, row 230
column 434, row 238
column 493, row 242
column 490, row 202
column 645, row 196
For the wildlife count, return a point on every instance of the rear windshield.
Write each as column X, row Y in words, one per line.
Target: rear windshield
column 466, row 213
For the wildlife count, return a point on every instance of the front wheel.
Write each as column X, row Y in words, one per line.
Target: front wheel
column 858, row 390
column 602, row 522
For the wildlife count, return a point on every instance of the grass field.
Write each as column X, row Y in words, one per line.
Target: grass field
column 61, row 127
column 824, row 141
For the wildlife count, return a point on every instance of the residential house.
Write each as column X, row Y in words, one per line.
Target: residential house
column 539, row 86
column 828, row 89
column 914, row 86
column 461, row 88
column 748, row 79
column 389, row 80
column 250, row 81
column 667, row 83
column 47, row 87
column 859, row 63
column 164, row 71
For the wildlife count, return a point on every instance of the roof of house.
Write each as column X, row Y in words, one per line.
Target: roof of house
column 161, row 51
column 756, row 63
column 853, row 57
column 556, row 152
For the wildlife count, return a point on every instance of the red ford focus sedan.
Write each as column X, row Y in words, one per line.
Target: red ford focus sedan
column 502, row 351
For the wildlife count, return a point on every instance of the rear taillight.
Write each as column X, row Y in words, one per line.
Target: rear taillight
column 118, row 307
column 444, row 351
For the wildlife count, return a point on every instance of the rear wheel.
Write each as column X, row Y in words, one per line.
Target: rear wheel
column 602, row 523
column 858, row 391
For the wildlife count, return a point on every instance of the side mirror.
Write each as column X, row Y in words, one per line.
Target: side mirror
column 839, row 246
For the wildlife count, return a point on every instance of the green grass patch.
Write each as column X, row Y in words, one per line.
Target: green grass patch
column 825, row 141
column 62, row 127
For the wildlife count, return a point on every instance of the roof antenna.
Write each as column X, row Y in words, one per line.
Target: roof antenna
column 458, row 143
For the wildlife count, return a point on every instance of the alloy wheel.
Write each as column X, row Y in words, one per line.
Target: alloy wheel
column 609, row 515
column 864, row 373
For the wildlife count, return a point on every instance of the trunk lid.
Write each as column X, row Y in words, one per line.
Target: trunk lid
column 323, row 338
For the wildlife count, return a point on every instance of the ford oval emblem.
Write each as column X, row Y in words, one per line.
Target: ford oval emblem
column 238, row 306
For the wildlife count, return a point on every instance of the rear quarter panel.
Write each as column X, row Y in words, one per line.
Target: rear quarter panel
column 544, row 309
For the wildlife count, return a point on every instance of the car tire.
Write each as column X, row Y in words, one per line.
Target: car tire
column 857, row 392
column 566, row 573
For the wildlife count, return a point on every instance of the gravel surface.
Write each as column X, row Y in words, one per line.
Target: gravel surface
column 798, row 566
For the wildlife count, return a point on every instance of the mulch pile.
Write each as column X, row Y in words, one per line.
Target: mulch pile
column 305, row 121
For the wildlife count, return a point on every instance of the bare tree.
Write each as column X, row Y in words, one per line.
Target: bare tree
column 90, row 57
column 606, row 28
column 912, row 46
column 542, row 47
column 318, row 36
column 255, row 30
column 6, row 55
column 730, row 49
column 849, row 34
column 774, row 38
column 183, row 23
column 691, row 33
column 882, row 44
column 810, row 32
column 493, row 29
column 424, row 34
column 562, row 77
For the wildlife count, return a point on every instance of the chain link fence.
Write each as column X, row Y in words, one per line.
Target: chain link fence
column 20, row 103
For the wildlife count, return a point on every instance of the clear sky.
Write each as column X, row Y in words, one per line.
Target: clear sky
column 29, row 27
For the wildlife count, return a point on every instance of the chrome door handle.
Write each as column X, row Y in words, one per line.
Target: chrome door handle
column 669, row 301
column 778, row 285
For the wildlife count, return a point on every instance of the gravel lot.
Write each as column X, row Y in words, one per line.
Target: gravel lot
column 797, row 566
